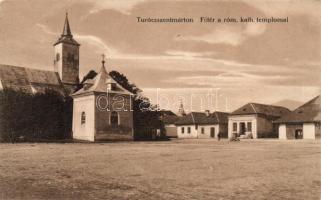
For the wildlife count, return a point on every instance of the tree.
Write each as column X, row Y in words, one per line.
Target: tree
column 45, row 115
column 90, row 75
column 146, row 117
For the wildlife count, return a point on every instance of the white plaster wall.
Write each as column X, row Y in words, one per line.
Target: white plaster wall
column 238, row 120
column 193, row 133
column 84, row 131
column 171, row 130
column 207, row 131
column 58, row 65
column 282, row 132
column 308, row 131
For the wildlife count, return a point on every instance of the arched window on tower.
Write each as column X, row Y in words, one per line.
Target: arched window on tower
column 83, row 118
column 114, row 118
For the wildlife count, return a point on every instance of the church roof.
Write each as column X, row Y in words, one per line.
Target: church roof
column 256, row 108
column 66, row 36
column 99, row 84
column 29, row 80
column 308, row 112
column 66, row 31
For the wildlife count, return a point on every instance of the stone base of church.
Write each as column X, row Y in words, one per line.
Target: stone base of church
column 113, row 137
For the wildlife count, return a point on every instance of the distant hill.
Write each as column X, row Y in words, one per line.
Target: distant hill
column 290, row 104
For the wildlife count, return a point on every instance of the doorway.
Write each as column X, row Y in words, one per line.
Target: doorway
column 242, row 128
column 212, row 132
column 298, row 134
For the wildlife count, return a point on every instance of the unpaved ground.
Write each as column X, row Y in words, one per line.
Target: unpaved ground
column 179, row 169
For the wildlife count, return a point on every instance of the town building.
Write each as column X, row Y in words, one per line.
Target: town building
column 303, row 123
column 255, row 120
column 169, row 119
column 202, row 125
column 102, row 110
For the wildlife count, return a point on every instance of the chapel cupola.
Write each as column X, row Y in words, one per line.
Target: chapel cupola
column 66, row 61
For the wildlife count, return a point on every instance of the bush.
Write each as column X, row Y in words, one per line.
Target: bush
column 45, row 115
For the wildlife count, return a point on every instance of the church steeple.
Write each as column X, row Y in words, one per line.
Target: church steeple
column 66, row 36
column 181, row 111
column 66, row 61
column 66, row 31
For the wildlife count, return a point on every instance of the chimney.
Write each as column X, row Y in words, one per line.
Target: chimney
column 207, row 113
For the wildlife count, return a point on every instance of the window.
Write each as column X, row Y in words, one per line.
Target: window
column 83, row 118
column 57, row 57
column 202, row 130
column 234, row 127
column 188, row 129
column 249, row 126
column 114, row 121
column 182, row 130
column 111, row 86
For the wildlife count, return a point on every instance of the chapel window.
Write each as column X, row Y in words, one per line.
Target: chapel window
column 83, row 118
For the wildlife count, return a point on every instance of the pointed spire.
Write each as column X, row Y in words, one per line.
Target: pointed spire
column 181, row 110
column 66, row 36
column 66, row 31
column 103, row 56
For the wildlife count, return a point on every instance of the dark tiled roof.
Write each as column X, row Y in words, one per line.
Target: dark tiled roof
column 166, row 112
column 67, row 40
column 202, row 118
column 29, row 80
column 170, row 119
column 99, row 84
column 256, row 108
column 66, row 36
column 308, row 112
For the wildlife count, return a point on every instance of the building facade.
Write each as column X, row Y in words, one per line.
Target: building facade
column 169, row 119
column 102, row 110
column 202, row 125
column 255, row 120
column 303, row 123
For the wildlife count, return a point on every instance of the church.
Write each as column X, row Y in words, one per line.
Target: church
column 102, row 109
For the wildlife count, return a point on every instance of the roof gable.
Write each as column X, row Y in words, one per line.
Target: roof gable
column 308, row 112
column 256, row 108
column 170, row 119
column 99, row 84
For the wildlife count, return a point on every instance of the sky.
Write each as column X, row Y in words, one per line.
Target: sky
column 206, row 65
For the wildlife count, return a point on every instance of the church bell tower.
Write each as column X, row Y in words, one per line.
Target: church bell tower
column 66, row 61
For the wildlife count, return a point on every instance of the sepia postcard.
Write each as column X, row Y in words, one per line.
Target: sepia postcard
column 160, row 99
